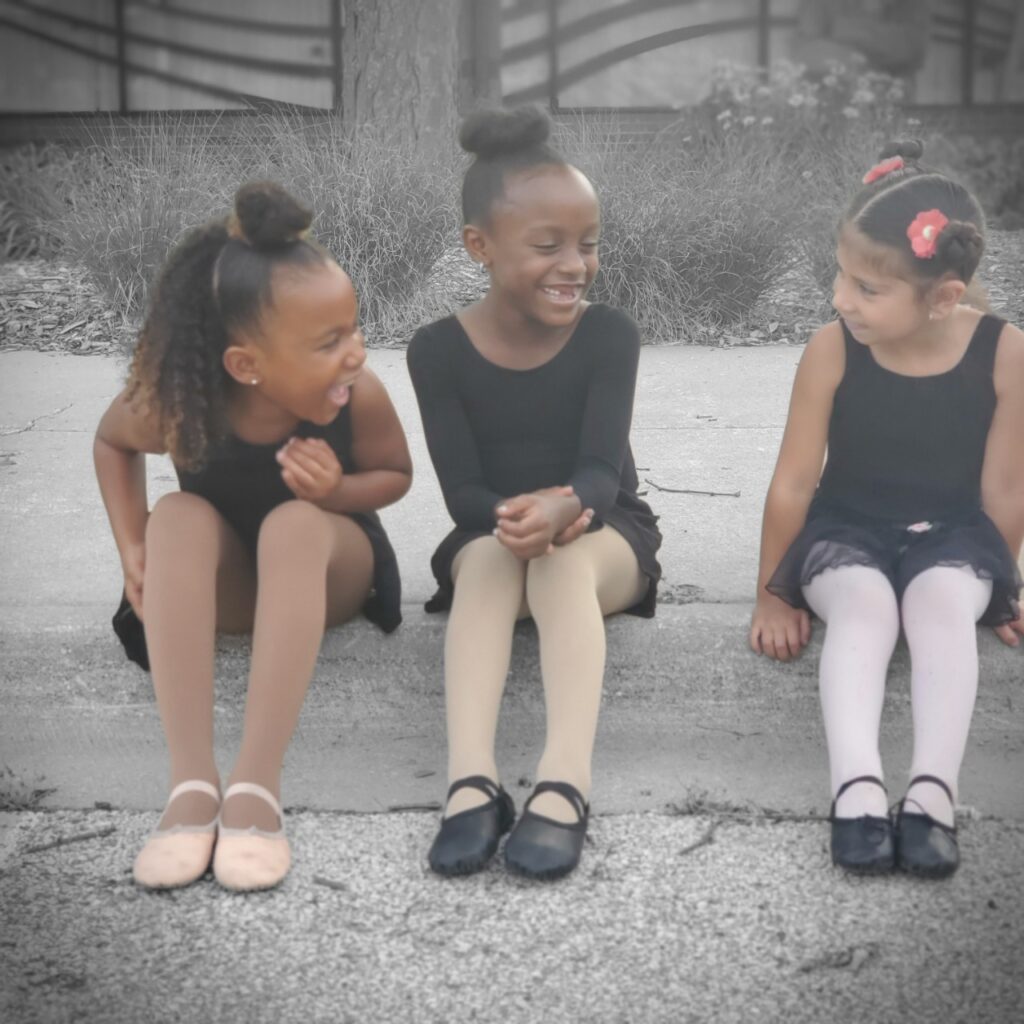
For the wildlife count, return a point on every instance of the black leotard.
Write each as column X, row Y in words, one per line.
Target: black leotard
column 901, row 490
column 494, row 432
column 243, row 483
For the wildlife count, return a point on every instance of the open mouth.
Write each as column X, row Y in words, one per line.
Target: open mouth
column 340, row 394
column 563, row 294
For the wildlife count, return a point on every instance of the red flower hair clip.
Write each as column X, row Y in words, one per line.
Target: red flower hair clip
column 924, row 232
column 894, row 163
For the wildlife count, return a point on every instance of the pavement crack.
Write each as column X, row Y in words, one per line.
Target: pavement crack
column 33, row 422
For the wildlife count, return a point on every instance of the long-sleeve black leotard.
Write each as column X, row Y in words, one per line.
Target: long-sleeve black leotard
column 494, row 432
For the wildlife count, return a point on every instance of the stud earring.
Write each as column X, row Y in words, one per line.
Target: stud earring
column 255, row 380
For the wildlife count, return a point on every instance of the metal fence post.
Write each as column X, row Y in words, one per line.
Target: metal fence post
column 122, row 71
column 968, row 54
column 334, row 17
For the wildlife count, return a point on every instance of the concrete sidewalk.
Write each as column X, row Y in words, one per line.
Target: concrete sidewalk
column 685, row 698
column 718, row 904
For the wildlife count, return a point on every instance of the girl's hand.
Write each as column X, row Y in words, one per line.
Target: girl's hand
column 778, row 629
column 310, row 468
column 1009, row 630
column 527, row 524
column 576, row 529
column 133, row 563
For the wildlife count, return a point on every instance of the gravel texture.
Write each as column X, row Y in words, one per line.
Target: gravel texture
column 728, row 917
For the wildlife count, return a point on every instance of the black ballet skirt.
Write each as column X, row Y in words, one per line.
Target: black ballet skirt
column 243, row 483
column 901, row 490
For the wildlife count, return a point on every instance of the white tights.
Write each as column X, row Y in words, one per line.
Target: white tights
column 939, row 611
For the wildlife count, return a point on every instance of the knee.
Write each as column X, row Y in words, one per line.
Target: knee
column 868, row 597
column 180, row 516
column 292, row 528
column 946, row 598
column 488, row 559
column 565, row 574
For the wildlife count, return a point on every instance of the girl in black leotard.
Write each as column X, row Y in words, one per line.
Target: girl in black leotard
column 526, row 399
column 918, row 516
column 250, row 372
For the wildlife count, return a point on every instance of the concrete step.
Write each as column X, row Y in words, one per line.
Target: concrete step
column 691, row 716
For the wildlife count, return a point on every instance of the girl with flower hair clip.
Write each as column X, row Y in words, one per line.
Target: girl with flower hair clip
column 917, row 517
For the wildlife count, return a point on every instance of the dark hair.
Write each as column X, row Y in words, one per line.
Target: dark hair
column 885, row 208
column 503, row 141
column 216, row 281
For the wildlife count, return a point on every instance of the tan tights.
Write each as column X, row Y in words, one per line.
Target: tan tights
column 567, row 593
column 313, row 568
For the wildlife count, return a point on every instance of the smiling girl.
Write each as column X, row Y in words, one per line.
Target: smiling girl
column 918, row 516
column 526, row 399
column 250, row 371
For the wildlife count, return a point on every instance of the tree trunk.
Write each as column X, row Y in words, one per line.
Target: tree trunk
column 400, row 66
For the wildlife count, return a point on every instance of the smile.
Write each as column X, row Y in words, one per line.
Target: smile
column 564, row 293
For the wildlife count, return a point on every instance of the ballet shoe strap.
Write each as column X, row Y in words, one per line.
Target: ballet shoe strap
column 195, row 786
column 252, row 789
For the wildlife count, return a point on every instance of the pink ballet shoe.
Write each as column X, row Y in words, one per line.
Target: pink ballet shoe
column 181, row 854
column 251, row 858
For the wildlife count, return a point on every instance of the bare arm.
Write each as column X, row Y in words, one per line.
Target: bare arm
column 123, row 438
column 777, row 629
column 383, row 468
column 1002, row 476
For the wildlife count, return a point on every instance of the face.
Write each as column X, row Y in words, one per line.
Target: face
column 877, row 305
column 310, row 348
column 540, row 245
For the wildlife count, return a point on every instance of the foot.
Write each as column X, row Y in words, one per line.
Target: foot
column 248, row 855
column 863, row 843
column 179, row 852
column 925, row 797
column 926, row 846
column 547, row 848
column 469, row 838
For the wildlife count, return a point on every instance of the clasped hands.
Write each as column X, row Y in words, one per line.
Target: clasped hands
column 531, row 525
column 309, row 468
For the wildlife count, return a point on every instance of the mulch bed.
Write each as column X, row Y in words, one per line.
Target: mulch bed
column 52, row 306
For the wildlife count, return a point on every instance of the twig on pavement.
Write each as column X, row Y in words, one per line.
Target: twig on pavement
column 686, row 490
column 705, row 840
column 79, row 837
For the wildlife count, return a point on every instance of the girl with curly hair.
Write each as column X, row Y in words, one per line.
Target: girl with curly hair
column 250, row 372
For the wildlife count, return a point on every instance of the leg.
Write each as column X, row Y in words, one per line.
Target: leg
column 315, row 569
column 940, row 609
column 488, row 598
column 858, row 605
column 198, row 577
column 569, row 592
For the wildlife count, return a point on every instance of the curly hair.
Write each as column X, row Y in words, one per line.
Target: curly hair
column 886, row 206
column 503, row 141
column 215, row 282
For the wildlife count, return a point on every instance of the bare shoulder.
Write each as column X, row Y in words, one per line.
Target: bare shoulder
column 368, row 391
column 1008, row 372
column 824, row 358
column 131, row 426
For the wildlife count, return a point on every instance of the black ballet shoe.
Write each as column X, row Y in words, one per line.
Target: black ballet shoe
column 468, row 840
column 924, row 846
column 543, row 848
column 863, row 845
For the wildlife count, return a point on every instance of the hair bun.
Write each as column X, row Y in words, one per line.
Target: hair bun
column 267, row 217
column 491, row 133
column 909, row 149
column 960, row 245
